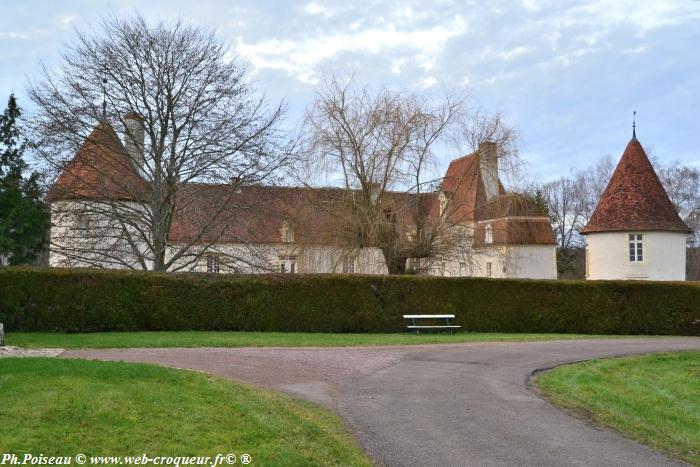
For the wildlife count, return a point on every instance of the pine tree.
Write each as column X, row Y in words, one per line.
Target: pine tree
column 24, row 219
column 541, row 201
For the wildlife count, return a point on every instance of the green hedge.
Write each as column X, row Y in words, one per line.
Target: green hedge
column 92, row 300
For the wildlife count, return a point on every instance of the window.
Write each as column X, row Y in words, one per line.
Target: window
column 414, row 264
column 489, row 269
column 288, row 264
column 213, row 263
column 287, row 233
column 348, row 265
column 83, row 224
column 489, row 234
column 463, row 269
column 636, row 248
column 443, row 203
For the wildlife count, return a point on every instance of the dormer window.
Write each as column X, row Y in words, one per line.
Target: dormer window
column 443, row 203
column 287, row 233
column 488, row 238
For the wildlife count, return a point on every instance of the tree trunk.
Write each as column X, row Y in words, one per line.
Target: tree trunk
column 395, row 264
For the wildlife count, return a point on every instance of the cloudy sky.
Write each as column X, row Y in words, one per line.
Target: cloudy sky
column 566, row 74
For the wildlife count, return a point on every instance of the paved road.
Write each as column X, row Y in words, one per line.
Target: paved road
column 441, row 405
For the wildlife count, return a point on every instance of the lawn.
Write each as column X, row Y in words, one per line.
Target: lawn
column 65, row 407
column 653, row 399
column 261, row 339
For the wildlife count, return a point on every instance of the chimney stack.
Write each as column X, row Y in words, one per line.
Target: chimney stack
column 134, row 140
column 375, row 189
column 488, row 165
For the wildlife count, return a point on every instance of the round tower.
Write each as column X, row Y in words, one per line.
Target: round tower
column 635, row 232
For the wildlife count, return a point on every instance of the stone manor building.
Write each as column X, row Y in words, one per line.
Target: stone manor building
column 293, row 229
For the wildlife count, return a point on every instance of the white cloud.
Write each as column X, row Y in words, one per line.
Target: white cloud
column 515, row 52
column 429, row 81
column 396, row 65
column 638, row 50
column 301, row 57
column 13, row 35
column 531, row 5
column 314, row 8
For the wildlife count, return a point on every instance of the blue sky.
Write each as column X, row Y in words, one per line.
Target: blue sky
column 566, row 74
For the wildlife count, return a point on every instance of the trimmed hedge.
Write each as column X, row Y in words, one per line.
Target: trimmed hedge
column 87, row 300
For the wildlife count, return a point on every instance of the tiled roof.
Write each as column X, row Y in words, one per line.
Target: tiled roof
column 100, row 169
column 515, row 231
column 635, row 199
column 256, row 214
column 464, row 188
column 509, row 205
column 515, row 219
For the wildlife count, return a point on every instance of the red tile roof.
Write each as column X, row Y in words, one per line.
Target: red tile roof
column 100, row 169
column 464, row 188
column 515, row 219
column 256, row 214
column 515, row 231
column 634, row 199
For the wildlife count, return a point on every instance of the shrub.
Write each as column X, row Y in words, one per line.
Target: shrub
column 82, row 300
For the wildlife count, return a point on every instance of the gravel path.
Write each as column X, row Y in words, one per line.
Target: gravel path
column 458, row 404
column 11, row 351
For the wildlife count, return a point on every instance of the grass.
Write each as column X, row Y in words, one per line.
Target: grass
column 65, row 407
column 261, row 339
column 653, row 399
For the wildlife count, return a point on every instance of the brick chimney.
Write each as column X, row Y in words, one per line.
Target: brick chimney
column 134, row 140
column 488, row 165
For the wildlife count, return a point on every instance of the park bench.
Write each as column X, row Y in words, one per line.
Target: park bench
column 446, row 326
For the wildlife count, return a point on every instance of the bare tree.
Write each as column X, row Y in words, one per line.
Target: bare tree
column 477, row 126
column 590, row 184
column 682, row 184
column 185, row 112
column 378, row 143
column 382, row 146
column 571, row 200
column 566, row 210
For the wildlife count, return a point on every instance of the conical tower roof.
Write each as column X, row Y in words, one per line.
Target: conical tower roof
column 101, row 169
column 635, row 199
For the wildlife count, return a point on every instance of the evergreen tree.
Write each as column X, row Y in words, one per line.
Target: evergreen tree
column 24, row 219
column 541, row 202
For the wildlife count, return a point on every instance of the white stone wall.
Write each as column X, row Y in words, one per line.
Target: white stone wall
column 473, row 263
column 265, row 258
column 323, row 260
column 607, row 256
column 537, row 262
column 232, row 259
column 100, row 245
column 531, row 262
